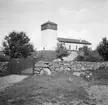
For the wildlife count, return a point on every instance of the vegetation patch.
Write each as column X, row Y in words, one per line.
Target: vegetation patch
column 43, row 89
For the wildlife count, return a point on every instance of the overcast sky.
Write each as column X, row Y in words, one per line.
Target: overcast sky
column 85, row 19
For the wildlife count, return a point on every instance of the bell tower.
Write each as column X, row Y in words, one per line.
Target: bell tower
column 48, row 35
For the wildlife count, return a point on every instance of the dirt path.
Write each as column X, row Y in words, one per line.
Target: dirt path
column 10, row 79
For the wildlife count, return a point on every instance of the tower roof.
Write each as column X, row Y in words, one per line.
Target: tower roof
column 49, row 25
column 48, row 22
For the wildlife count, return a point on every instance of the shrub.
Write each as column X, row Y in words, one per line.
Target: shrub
column 85, row 49
column 89, row 58
column 79, row 58
column 61, row 51
column 4, row 68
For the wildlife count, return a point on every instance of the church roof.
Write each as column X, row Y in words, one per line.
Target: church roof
column 77, row 41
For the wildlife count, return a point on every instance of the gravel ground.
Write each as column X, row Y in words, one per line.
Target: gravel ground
column 98, row 94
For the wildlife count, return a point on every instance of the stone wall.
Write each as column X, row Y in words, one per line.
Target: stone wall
column 73, row 66
column 3, row 68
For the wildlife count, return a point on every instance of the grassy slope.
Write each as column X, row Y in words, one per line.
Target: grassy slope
column 94, row 53
column 100, row 76
column 47, row 55
column 36, row 90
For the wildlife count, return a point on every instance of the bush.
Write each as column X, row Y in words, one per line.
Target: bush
column 61, row 51
column 79, row 58
column 4, row 68
column 85, row 49
column 88, row 58
column 91, row 56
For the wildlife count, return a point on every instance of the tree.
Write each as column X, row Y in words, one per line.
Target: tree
column 17, row 45
column 102, row 49
column 61, row 51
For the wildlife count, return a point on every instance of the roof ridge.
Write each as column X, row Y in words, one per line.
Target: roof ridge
column 49, row 22
column 69, row 40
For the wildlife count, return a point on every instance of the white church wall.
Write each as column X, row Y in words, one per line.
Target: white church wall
column 73, row 46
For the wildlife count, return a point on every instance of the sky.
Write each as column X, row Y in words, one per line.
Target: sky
column 82, row 19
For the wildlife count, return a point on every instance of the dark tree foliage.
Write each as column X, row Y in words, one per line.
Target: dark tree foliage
column 102, row 49
column 17, row 45
column 61, row 51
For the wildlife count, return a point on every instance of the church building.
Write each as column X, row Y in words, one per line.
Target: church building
column 49, row 38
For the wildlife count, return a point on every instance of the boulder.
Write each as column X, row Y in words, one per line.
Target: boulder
column 78, row 73
column 66, row 64
column 37, row 69
column 57, row 69
column 83, row 68
column 45, row 66
column 61, row 68
column 46, row 62
column 56, row 65
column 67, row 69
column 52, row 68
column 45, row 71
column 56, row 60
column 37, row 72
column 41, row 65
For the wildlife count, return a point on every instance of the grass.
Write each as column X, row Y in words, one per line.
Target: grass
column 37, row 90
column 56, row 89
column 100, row 76
column 47, row 55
